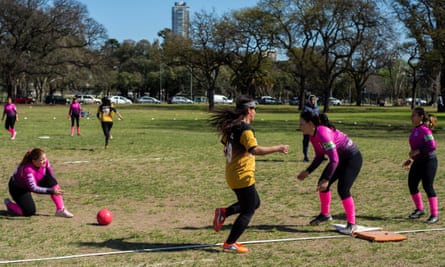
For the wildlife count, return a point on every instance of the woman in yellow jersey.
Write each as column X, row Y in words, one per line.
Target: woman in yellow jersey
column 240, row 149
column 105, row 114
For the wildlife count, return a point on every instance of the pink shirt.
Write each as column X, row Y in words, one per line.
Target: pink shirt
column 28, row 177
column 421, row 138
column 10, row 110
column 74, row 109
column 332, row 143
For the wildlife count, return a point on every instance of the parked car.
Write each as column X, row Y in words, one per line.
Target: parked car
column 419, row 101
column 294, row 101
column 87, row 99
column 334, row 101
column 24, row 100
column 148, row 100
column 268, row 100
column 56, row 99
column 180, row 100
column 221, row 99
column 117, row 99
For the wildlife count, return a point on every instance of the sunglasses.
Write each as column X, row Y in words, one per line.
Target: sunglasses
column 253, row 108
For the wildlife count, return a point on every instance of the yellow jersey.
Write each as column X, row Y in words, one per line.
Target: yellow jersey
column 240, row 163
column 106, row 113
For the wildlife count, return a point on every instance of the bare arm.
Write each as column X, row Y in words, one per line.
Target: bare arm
column 264, row 150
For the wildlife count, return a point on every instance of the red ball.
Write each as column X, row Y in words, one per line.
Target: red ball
column 104, row 217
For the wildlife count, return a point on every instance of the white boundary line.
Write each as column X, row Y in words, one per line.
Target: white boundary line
column 198, row 246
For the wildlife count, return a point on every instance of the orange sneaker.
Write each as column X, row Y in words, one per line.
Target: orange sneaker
column 235, row 247
column 218, row 220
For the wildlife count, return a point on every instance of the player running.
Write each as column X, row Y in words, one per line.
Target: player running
column 240, row 149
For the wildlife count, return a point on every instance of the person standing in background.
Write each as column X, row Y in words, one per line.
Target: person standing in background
column 422, row 163
column 10, row 111
column 74, row 114
column 309, row 106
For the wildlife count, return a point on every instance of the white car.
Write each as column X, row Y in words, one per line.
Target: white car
column 120, row 100
column 180, row 100
column 148, row 100
column 87, row 99
column 334, row 101
column 221, row 99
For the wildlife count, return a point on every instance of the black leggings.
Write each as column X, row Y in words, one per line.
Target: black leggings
column 23, row 197
column 248, row 202
column 346, row 173
column 75, row 118
column 425, row 171
column 10, row 122
column 306, row 139
column 106, row 127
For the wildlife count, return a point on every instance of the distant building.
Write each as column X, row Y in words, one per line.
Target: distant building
column 181, row 19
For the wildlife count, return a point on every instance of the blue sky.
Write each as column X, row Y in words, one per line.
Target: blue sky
column 143, row 19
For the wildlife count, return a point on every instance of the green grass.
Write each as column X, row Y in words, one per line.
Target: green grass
column 164, row 174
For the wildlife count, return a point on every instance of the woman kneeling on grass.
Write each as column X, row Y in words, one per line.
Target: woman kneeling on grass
column 345, row 162
column 240, row 149
column 34, row 174
column 422, row 163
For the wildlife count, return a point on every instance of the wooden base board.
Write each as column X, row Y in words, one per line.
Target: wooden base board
column 380, row 236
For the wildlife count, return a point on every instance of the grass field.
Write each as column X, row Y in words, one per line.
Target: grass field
column 163, row 176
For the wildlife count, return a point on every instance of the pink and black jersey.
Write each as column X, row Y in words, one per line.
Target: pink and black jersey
column 10, row 110
column 27, row 177
column 75, row 109
column 421, row 138
column 332, row 143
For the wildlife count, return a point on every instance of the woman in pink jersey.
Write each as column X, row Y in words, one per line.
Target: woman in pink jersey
column 74, row 115
column 10, row 111
column 422, row 163
column 345, row 162
column 34, row 175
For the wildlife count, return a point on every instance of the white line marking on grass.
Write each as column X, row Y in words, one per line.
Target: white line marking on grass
column 185, row 247
column 76, row 162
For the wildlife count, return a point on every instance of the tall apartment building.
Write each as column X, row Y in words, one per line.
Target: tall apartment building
column 181, row 19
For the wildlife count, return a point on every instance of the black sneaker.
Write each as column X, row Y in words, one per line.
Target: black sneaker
column 416, row 214
column 432, row 219
column 349, row 229
column 320, row 219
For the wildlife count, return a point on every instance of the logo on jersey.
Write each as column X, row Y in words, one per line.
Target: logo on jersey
column 328, row 145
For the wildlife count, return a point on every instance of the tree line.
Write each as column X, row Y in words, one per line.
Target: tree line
column 352, row 50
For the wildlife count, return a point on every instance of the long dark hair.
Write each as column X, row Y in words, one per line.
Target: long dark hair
column 317, row 120
column 225, row 119
column 428, row 120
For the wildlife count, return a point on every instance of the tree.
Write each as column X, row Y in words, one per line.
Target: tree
column 38, row 38
column 249, row 34
column 425, row 21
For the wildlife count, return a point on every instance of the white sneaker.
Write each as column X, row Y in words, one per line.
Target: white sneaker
column 13, row 136
column 64, row 213
column 349, row 229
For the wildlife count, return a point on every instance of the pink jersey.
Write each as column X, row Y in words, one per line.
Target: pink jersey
column 332, row 143
column 75, row 109
column 28, row 177
column 10, row 110
column 421, row 138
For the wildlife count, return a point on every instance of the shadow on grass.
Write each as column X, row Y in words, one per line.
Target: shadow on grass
column 121, row 244
column 295, row 228
column 5, row 215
